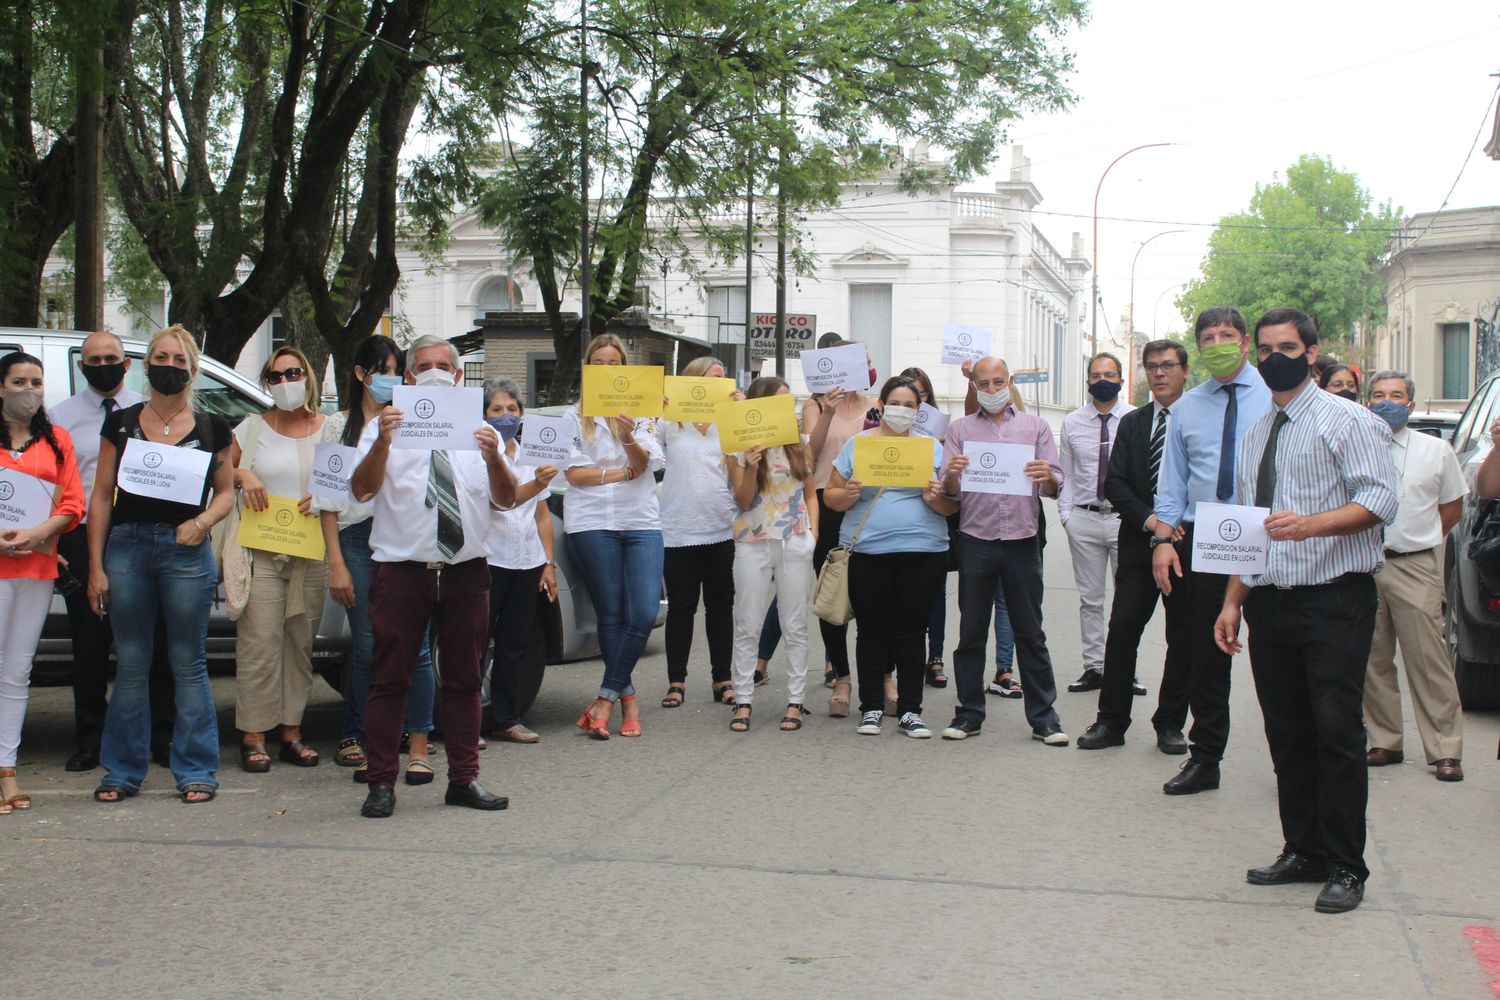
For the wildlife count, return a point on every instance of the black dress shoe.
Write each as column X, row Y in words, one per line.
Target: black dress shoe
column 1290, row 867
column 1100, row 735
column 161, row 755
column 1195, row 776
column 1171, row 741
column 474, row 796
column 86, row 759
column 1137, row 688
column 379, row 803
column 1342, row 893
column 1089, row 680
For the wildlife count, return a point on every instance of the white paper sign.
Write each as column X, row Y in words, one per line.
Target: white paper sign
column 25, row 501
column 438, row 418
column 836, row 368
column 1230, row 539
column 333, row 464
column 163, row 471
column 545, row 440
column 964, row 343
column 931, row 421
column 997, row 468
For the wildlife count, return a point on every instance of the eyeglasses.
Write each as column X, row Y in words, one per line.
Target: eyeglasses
column 285, row 375
column 1161, row 366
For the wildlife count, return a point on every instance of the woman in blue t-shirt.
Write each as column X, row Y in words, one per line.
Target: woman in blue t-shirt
column 900, row 541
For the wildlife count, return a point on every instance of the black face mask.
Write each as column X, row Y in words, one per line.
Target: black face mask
column 1283, row 374
column 104, row 378
column 1104, row 390
column 1348, row 394
column 169, row 380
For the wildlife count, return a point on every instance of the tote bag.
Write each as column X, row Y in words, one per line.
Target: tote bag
column 831, row 594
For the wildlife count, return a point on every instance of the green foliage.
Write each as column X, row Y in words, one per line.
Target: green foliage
column 1311, row 241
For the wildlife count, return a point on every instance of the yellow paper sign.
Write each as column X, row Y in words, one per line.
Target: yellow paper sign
column 695, row 398
column 893, row 461
column 767, row 421
column 281, row 528
column 635, row 390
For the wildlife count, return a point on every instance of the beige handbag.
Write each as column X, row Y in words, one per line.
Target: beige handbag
column 234, row 558
column 831, row 593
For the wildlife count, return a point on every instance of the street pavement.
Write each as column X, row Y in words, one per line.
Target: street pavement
column 698, row 863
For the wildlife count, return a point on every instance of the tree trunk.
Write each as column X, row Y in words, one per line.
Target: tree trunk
column 302, row 333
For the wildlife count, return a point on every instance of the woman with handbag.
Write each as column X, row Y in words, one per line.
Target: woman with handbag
column 898, row 540
column 774, row 536
column 147, row 552
column 273, row 457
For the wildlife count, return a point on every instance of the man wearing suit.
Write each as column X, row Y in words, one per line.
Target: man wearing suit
column 1134, row 466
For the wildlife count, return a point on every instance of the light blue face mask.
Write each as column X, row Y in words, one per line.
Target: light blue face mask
column 382, row 386
column 1393, row 413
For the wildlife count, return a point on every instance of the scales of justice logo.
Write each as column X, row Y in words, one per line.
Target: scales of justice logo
column 7, row 491
column 284, row 518
column 548, row 435
column 965, row 340
column 700, row 392
column 892, row 454
column 825, row 365
column 152, row 459
column 335, row 464
column 424, row 409
column 753, row 417
column 621, row 383
column 1229, row 530
column 987, row 460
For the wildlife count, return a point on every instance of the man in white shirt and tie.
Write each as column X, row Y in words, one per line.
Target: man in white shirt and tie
column 103, row 364
column 1093, row 527
column 429, row 536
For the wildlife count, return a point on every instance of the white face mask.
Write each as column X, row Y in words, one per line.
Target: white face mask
column 898, row 418
column 289, row 395
column 993, row 402
column 434, row 376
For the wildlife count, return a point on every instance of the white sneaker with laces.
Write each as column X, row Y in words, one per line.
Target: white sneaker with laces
column 869, row 723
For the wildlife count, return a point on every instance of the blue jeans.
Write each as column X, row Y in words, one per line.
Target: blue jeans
column 623, row 573
column 1005, row 636
column 148, row 571
column 937, row 623
column 355, row 543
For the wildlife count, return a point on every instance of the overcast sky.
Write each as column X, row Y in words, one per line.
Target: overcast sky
column 1394, row 92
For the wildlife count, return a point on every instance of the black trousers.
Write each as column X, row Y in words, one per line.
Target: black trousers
column 1208, row 673
column 1134, row 604
column 835, row 637
column 891, row 594
column 1308, row 651
column 513, row 603
column 92, row 638
column 687, row 570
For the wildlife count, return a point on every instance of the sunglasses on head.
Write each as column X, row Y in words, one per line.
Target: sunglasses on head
column 285, row 375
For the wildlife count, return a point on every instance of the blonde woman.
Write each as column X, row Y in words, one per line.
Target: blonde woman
column 613, row 528
column 697, row 522
column 774, row 536
column 273, row 456
column 148, row 553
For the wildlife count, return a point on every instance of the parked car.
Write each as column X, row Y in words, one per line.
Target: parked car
column 1438, row 423
column 1471, row 613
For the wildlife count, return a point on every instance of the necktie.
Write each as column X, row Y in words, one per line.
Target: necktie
column 108, row 406
column 1265, row 476
column 1158, row 443
column 1103, row 457
column 1226, row 444
column 440, row 494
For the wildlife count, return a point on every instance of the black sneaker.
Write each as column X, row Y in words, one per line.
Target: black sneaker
column 1137, row 688
column 913, row 726
column 1051, row 735
column 869, row 723
column 961, row 729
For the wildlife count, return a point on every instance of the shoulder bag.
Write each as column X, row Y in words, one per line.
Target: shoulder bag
column 831, row 593
column 234, row 560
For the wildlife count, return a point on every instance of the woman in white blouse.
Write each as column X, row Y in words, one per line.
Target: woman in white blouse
column 521, row 564
column 614, row 536
column 697, row 526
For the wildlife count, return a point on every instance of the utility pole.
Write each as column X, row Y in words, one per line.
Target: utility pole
column 585, row 265
column 781, row 244
column 749, row 259
column 88, row 259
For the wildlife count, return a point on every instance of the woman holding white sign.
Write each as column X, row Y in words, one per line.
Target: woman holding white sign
column 166, row 460
column 273, row 458
column 613, row 525
column 899, row 541
column 41, row 496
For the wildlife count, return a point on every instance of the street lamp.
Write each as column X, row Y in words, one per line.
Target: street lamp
column 1156, row 308
column 1094, row 328
column 1130, row 331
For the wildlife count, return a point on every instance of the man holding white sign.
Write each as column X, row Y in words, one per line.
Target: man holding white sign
column 1323, row 466
column 998, row 546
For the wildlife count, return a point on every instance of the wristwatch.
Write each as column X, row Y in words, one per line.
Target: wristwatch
column 1158, row 540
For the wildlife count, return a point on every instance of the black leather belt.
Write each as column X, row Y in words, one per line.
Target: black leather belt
column 1097, row 508
column 1393, row 554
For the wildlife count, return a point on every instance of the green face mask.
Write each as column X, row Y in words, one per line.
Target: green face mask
column 1220, row 359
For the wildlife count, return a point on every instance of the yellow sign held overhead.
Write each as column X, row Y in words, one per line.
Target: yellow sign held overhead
column 767, row 421
column 635, row 390
column 695, row 399
column 881, row 460
column 281, row 527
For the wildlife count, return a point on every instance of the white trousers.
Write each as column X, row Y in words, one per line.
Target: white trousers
column 23, row 612
column 760, row 570
column 1093, row 538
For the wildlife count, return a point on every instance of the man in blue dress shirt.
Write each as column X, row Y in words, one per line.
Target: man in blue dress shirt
column 1207, row 425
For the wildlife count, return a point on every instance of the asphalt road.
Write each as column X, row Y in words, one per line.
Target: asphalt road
column 698, row 863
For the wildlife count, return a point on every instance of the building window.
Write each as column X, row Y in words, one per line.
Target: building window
column 870, row 323
column 278, row 334
column 540, row 368
column 1059, row 344
column 1455, row 340
column 498, row 295
column 726, row 303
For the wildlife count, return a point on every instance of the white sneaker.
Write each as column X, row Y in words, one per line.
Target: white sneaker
column 869, row 723
column 913, row 726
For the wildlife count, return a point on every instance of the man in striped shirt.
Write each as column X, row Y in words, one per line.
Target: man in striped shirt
column 1322, row 466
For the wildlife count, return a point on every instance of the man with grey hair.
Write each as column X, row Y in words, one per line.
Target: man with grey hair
column 1410, row 588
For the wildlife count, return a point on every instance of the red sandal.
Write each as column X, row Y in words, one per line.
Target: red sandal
column 629, row 727
column 597, row 728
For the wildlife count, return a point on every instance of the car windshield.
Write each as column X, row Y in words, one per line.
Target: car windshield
column 209, row 394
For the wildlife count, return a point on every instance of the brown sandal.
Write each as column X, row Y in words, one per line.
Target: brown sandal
column 249, row 750
column 349, row 753
column 18, row 801
column 838, row 705
column 299, row 753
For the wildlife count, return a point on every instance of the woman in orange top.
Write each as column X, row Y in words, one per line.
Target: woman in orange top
column 36, row 461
